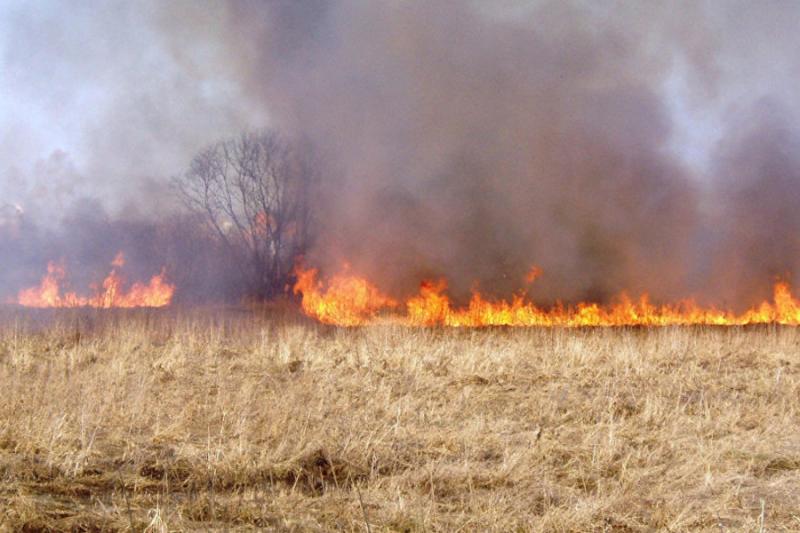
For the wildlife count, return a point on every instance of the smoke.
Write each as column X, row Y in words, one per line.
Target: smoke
column 618, row 146
column 758, row 168
column 472, row 143
column 100, row 103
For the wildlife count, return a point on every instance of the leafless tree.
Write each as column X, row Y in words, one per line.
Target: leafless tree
column 254, row 192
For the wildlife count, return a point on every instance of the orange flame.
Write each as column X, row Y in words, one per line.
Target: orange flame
column 156, row 293
column 353, row 301
column 347, row 300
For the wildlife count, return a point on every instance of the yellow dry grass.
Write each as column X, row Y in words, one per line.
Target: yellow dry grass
column 236, row 421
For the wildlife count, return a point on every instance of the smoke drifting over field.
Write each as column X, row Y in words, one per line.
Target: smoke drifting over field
column 618, row 147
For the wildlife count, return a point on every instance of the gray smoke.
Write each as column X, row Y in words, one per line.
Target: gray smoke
column 472, row 141
column 617, row 145
column 100, row 103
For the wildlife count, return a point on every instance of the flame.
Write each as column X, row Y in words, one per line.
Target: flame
column 533, row 274
column 111, row 293
column 348, row 300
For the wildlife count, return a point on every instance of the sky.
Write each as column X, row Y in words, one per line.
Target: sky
column 95, row 101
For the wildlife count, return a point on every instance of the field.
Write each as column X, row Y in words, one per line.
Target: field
column 165, row 421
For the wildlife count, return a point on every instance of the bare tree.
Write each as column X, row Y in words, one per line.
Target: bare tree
column 254, row 192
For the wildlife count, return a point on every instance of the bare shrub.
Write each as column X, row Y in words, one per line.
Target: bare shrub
column 253, row 192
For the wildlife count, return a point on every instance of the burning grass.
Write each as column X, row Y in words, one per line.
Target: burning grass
column 350, row 300
column 130, row 420
column 112, row 292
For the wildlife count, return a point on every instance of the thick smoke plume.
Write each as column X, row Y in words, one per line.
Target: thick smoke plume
column 471, row 141
column 618, row 145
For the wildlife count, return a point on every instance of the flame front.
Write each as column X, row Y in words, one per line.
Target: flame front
column 353, row 301
column 347, row 300
column 111, row 293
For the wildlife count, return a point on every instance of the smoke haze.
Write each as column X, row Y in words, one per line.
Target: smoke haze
column 617, row 145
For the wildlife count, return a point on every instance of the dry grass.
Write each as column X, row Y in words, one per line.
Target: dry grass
column 154, row 422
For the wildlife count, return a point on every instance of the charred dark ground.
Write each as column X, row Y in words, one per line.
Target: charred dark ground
column 617, row 146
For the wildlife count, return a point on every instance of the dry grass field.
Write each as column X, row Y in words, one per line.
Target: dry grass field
column 233, row 421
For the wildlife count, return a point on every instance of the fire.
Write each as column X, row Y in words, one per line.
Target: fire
column 348, row 300
column 110, row 293
column 533, row 274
